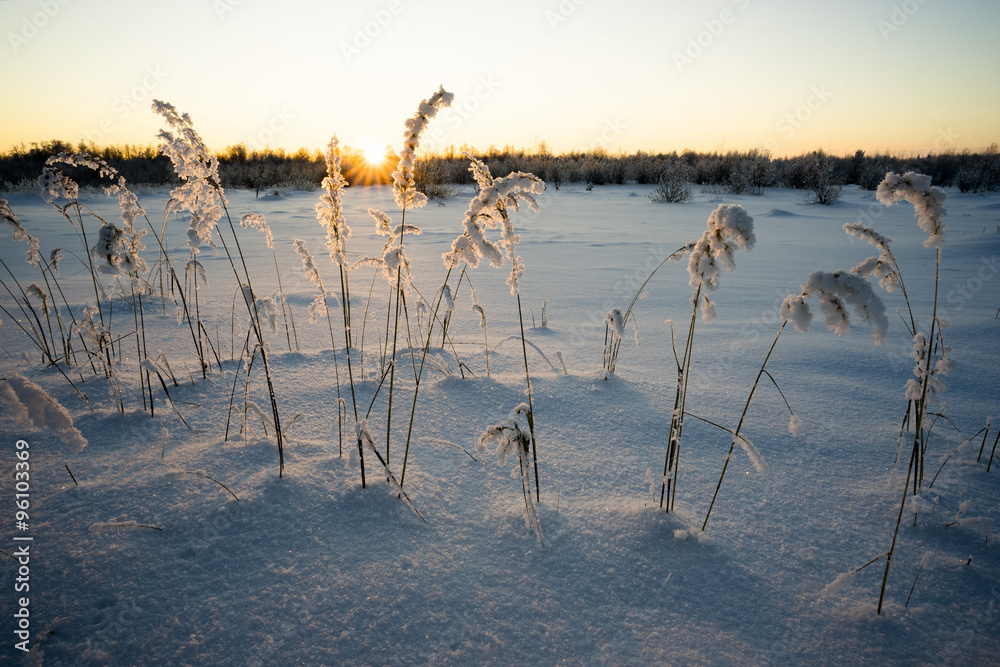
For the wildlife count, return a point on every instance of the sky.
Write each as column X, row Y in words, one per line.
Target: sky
column 904, row 76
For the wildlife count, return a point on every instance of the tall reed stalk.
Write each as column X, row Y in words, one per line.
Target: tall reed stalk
column 729, row 227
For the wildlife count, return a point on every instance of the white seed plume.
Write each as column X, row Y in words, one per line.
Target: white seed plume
column 393, row 255
column 498, row 199
column 927, row 200
column 403, row 187
column 883, row 266
column 729, row 227
column 929, row 373
column 19, row 233
column 201, row 194
column 257, row 221
column 837, row 292
column 330, row 210
column 317, row 308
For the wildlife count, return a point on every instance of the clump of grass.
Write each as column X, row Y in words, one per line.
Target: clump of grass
column 931, row 354
column 202, row 196
column 508, row 438
column 497, row 200
column 729, row 227
column 258, row 222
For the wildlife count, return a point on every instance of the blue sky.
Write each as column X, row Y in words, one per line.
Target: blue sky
column 905, row 76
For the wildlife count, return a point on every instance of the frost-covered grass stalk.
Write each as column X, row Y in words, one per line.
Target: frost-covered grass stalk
column 330, row 215
column 393, row 257
column 258, row 222
column 838, row 294
column 729, row 227
column 507, row 438
column 615, row 321
column 498, row 199
column 931, row 354
column 317, row 309
column 478, row 309
column 201, row 195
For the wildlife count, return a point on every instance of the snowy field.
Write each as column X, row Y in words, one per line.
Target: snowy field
column 142, row 562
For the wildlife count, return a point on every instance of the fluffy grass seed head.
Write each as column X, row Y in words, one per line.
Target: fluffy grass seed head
column 729, row 227
column 19, row 233
column 507, row 437
column 929, row 373
column 837, row 292
column 257, row 221
column 884, row 265
column 330, row 210
column 201, row 193
column 403, row 186
column 56, row 185
column 478, row 309
column 317, row 308
column 927, row 200
column 393, row 256
column 498, row 199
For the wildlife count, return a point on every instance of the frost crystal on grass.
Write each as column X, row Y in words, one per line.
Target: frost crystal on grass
column 317, row 308
column 476, row 308
column 795, row 425
column 927, row 200
column 257, row 221
column 55, row 257
column 509, row 438
column 836, row 292
column 729, row 227
column 945, row 365
column 197, row 269
column 884, row 265
column 449, row 300
column 30, row 405
column 403, row 186
column 492, row 207
column 329, row 210
column 616, row 322
column 393, row 258
column 201, row 194
column 19, row 233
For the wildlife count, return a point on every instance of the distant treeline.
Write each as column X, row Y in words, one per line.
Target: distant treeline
column 732, row 171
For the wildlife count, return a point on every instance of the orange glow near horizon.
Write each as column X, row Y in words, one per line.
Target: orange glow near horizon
column 732, row 75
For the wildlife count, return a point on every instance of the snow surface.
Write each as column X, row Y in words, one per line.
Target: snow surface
column 312, row 569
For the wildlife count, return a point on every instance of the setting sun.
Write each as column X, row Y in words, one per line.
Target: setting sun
column 374, row 154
